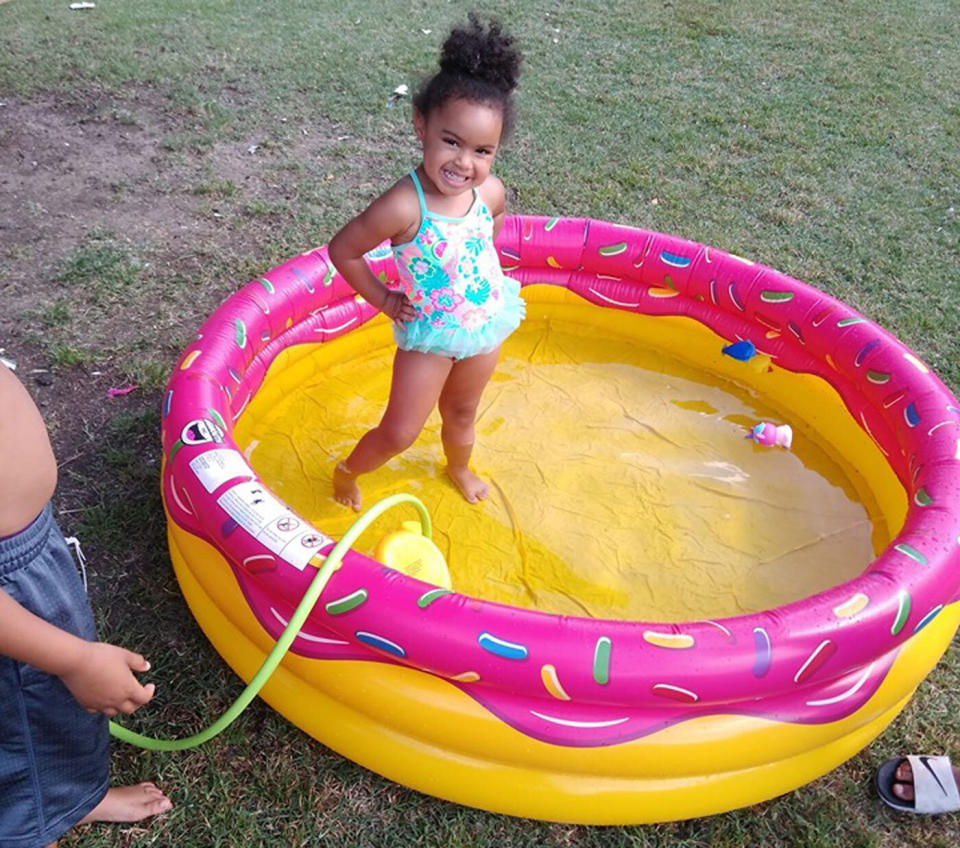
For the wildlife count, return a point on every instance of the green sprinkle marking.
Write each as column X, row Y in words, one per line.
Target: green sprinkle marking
column 911, row 552
column 878, row 377
column 922, row 497
column 903, row 612
column 175, row 450
column 776, row 296
column 328, row 277
column 347, row 602
column 216, row 416
column 551, row 224
column 601, row 660
column 267, row 285
column 241, row 332
column 612, row 249
column 849, row 322
column 668, row 282
column 428, row 598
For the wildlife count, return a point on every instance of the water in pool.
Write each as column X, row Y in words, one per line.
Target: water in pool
column 622, row 484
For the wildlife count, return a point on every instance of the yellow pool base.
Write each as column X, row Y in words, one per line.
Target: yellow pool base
column 375, row 715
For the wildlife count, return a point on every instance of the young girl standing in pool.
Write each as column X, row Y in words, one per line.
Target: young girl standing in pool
column 452, row 307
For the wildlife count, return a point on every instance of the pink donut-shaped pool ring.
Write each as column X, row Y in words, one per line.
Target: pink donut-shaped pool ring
column 560, row 717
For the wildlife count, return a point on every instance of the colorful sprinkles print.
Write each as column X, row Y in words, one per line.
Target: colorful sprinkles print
column 770, row 296
column 339, row 606
column 501, row 647
column 735, row 297
column 865, row 351
column 910, row 551
column 240, row 333
column 189, row 359
column 762, row 652
column 903, row 612
column 851, row 606
column 551, row 682
column 674, row 259
column 728, row 635
column 612, row 249
column 601, row 660
column 429, row 597
column 930, row 616
column 676, row 641
column 675, row 693
column 381, row 643
column 826, row 649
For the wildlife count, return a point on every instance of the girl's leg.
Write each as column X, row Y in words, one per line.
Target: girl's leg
column 458, row 409
column 416, row 384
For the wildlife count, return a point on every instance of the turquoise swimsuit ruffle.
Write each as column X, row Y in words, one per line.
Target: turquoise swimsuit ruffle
column 459, row 343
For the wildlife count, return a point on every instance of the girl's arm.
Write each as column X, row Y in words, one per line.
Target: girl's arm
column 496, row 199
column 385, row 218
column 98, row 675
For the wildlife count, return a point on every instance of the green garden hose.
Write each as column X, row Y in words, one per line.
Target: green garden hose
column 272, row 660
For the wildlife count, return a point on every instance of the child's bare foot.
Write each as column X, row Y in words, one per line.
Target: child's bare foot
column 471, row 486
column 345, row 488
column 129, row 804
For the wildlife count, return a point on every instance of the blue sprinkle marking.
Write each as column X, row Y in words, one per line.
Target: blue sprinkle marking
column 744, row 351
column 380, row 643
column 930, row 616
column 167, row 401
column 303, row 278
column 763, row 652
column 674, row 259
column 228, row 526
column 501, row 647
column 864, row 351
column 911, row 415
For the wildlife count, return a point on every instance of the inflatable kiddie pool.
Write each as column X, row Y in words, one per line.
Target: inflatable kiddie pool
column 564, row 717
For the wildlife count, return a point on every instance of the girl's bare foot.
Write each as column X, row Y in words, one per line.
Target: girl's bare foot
column 471, row 486
column 345, row 488
column 129, row 804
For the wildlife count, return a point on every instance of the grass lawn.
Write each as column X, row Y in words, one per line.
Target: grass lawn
column 156, row 156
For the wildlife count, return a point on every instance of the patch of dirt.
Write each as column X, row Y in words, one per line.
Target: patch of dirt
column 63, row 175
column 75, row 173
column 72, row 172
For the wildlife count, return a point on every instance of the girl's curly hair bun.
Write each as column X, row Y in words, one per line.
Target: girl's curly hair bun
column 483, row 52
column 479, row 63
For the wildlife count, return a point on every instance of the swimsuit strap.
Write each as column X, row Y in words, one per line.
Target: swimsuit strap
column 416, row 185
column 423, row 202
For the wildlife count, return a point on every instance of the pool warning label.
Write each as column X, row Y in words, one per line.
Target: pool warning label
column 271, row 523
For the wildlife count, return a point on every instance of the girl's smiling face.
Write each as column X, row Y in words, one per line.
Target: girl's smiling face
column 460, row 139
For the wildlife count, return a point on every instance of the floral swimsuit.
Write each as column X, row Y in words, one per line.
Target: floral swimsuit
column 451, row 274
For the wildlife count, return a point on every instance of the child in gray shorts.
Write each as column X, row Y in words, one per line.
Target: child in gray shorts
column 57, row 683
